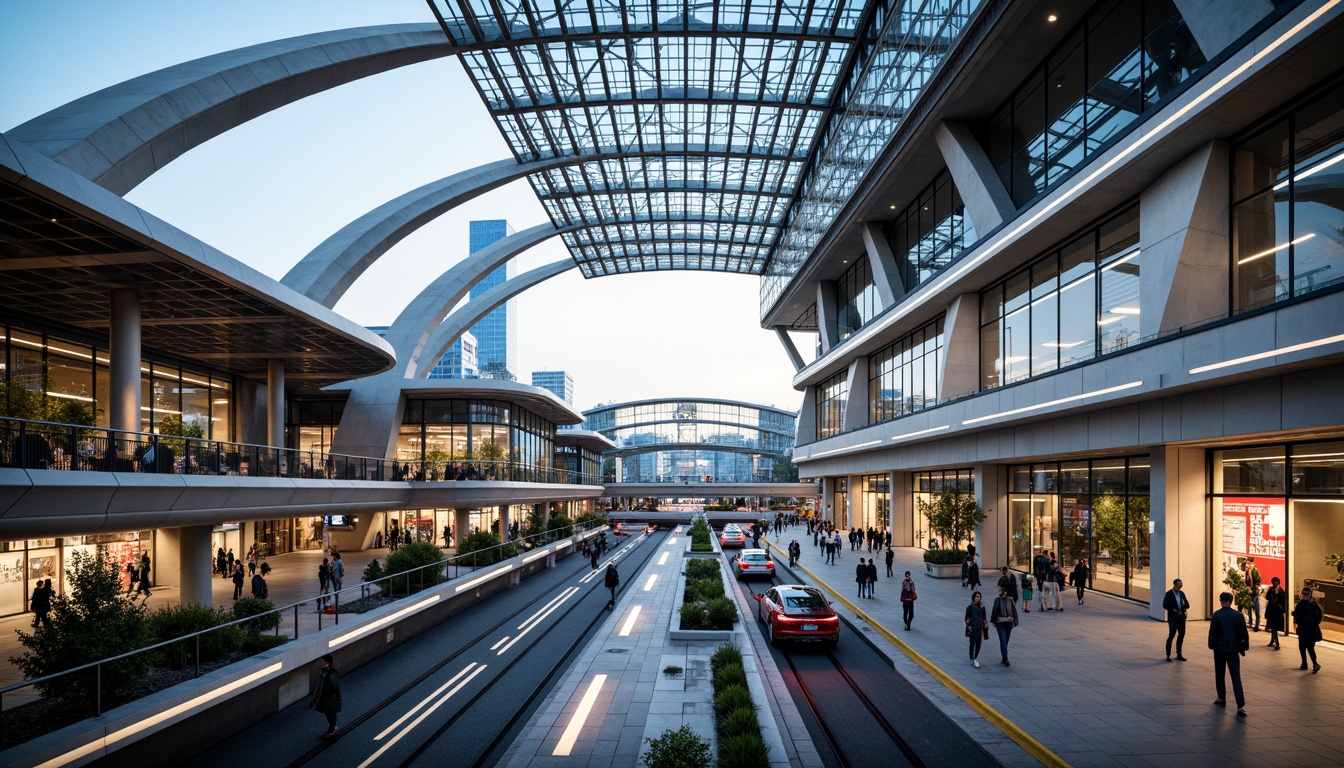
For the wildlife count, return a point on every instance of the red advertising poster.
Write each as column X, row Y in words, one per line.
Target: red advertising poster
column 1256, row 528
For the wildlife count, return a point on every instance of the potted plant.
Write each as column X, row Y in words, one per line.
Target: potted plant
column 952, row 517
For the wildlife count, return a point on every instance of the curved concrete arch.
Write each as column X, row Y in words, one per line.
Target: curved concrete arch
column 411, row 329
column 657, row 447
column 457, row 323
column 122, row 134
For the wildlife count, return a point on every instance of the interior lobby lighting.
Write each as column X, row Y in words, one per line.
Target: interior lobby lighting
column 388, row 619
column 1052, row 18
column 579, row 718
column 1311, row 171
column 629, row 624
column 1276, row 248
column 1270, row 353
column 1060, row 401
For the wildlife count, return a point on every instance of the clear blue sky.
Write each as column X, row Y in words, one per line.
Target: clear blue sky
column 269, row 191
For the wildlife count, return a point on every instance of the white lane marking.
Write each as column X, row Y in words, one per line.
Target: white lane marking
column 423, row 702
column 553, row 601
column 580, row 716
column 630, row 621
column 421, row 718
column 663, row 560
column 499, row 642
column 535, row 622
column 653, row 579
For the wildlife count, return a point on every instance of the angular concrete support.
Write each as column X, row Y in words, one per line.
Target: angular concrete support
column 328, row 271
column 828, row 317
column 1183, row 231
column 960, row 361
column 412, row 328
column 886, row 273
column 124, row 361
column 987, row 200
column 275, row 403
column 471, row 313
column 805, row 431
column 1178, row 547
column 194, row 558
column 121, row 135
column 790, row 349
column 372, row 417
column 856, row 404
column 1215, row 24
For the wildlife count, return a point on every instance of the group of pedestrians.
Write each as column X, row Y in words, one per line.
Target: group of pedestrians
column 865, row 575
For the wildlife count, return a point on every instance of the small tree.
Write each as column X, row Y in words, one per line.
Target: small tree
column 410, row 557
column 952, row 517
column 1241, row 592
column 483, row 548
column 1108, row 528
column 96, row 620
column 681, row 748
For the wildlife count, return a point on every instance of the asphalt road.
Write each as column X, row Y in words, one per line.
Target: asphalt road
column 857, row 708
column 456, row 695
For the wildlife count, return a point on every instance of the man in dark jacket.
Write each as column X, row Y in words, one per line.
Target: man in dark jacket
column 1008, row 583
column 327, row 694
column 1229, row 641
column 1176, row 606
column 612, row 580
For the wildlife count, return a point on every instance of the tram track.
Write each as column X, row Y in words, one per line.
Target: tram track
column 550, row 610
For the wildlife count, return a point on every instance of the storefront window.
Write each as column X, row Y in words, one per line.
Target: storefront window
column 926, row 485
column 875, row 509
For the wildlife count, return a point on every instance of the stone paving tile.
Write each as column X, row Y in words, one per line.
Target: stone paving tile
column 1091, row 684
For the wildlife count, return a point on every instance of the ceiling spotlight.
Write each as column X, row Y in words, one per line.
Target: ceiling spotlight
column 1052, row 18
column 892, row 207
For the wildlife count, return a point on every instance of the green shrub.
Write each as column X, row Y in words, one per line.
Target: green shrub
column 96, row 620
column 739, row 722
column 702, row 569
column 692, row 616
column 681, row 748
column 706, row 590
column 729, row 674
column 561, row 526
column 254, row 644
column 944, row 556
column 174, row 621
column 410, row 557
column 590, row 520
column 268, row 619
column 731, row 698
column 722, row 612
column 728, row 653
column 743, row 751
column 478, row 550
column 373, row 571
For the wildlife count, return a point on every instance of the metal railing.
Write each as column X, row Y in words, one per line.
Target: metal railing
column 48, row 445
column 186, row 651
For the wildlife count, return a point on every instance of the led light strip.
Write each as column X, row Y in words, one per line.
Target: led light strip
column 847, row 448
column 1060, row 401
column 663, row 560
column 536, row 555
column 388, row 619
column 164, row 716
column 648, row 585
column 1141, row 142
column 630, row 621
column 484, row 578
column 422, row 717
column 577, row 720
column 1270, row 353
column 1275, row 249
column 909, row 435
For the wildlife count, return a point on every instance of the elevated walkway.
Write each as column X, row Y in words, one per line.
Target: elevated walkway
column 714, row 490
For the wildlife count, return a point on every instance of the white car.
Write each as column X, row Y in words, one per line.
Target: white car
column 755, row 562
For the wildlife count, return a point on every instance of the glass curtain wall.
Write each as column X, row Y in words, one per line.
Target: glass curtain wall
column 831, row 396
column 856, row 297
column 48, row 378
column 875, row 503
column 1287, row 210
column 1078, row 300
column 1124, row 58
column 931, row 232
column 437, row 431
column 903, row 377
column 926, row 485
column 1097, row 509
column 1282, row 507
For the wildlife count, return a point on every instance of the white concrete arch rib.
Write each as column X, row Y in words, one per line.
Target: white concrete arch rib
column 122, row 134
column 457, row 323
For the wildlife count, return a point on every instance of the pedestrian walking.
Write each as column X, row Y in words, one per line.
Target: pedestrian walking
column 1055, row 582
column 965, row 570
column 1307, row 615
column 1276, row 611
column 908, row 598
column 132, row 576
column 327, row 694
column 1176, row 605
column 795, row 552
column 237, row 579
column 143, row 588
column 838, row 545
column 977, row 624
column 1008, row 583
column 1252, row 576
column 40, row 603
column 221, row 564
column 592, row 558
column 861, row 577
column 259, row 588
column 891, row 560
column 323, row 582
column 1081, row 573
column 973, row 573
column 252, row 562
column 1004, row 617
column 337, row 572
column 1229, row 641
column 612, row 580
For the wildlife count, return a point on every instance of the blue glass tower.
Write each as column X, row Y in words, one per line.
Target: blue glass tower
column 496, row 334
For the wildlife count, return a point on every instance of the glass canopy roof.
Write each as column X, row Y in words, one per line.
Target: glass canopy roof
column 691, row 124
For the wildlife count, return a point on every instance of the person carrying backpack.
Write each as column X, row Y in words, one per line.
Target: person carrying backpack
column 612, row 580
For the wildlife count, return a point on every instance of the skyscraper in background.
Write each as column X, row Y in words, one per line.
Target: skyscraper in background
column 559, row 382
column 496, row 334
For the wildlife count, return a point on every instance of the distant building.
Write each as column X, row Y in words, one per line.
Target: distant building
column 495, row 337
column 559, row 382
column 461, row 361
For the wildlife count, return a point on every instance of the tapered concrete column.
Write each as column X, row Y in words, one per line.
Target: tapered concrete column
column 828, row 317
column 886, row 274
column 902, row 513
column 987, row 200
column 1215, row 24
column 789, row 348
column 805, row 430
column 461, row 525
column 124, row 351
column 194, row 564
column 960, row 361
column 856, row 404
column 275, row 403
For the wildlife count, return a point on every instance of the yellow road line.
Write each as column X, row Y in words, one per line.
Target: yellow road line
column 1033, row 747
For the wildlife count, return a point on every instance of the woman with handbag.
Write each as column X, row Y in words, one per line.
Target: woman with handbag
column 908, row 598
column 1004, row 618
column 1276, row 610
column 976, row 625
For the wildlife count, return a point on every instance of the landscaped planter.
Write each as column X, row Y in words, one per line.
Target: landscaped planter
column 952, row 571
column 675, row 633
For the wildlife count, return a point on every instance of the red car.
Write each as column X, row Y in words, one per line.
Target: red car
column 796, row 612
column 732, row 537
